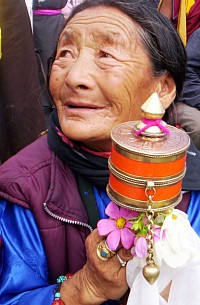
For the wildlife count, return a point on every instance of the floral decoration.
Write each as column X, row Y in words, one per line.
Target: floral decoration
column 117, row 227
column 180, row 244
column 129, row 228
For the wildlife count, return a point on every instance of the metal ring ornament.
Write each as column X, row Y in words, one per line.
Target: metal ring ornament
column 103, row 252
column 123, row 263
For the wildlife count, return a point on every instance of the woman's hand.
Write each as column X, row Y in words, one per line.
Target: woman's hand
column 98, row 280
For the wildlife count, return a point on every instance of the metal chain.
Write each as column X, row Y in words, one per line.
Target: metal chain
column 150, row 215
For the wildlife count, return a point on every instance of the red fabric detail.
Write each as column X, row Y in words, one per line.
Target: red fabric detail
column 68, row 275
column 58, row 302
column 104, row 154
column 192, row 18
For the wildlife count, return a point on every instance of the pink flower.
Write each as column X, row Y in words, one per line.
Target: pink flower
column 140, row 247
column 140, row 242
column 117, row 227
column 158, row 234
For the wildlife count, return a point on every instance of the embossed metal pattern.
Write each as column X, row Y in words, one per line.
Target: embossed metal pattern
column 133, row 146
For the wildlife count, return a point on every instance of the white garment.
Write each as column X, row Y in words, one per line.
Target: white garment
column 185, row 287
column 184, row 273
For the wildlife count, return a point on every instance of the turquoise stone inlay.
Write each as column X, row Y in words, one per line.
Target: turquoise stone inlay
column 104, row 254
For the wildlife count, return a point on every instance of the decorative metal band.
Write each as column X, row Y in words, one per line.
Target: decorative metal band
column 138, row 156
column 133, row 180
column 141, row 206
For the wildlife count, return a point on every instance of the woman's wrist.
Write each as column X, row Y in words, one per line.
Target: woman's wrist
column 57, row 295
column 79, row 290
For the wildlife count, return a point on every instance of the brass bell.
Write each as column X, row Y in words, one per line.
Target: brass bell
column 151, row 273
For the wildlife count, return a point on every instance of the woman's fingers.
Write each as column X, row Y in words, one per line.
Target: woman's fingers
column 123, row 256
column 107, row 269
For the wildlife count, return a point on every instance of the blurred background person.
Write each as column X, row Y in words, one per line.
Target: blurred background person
column 185, row 15
column 69, row 6
column 48, row 21
column 188, row 106
column 21, row 114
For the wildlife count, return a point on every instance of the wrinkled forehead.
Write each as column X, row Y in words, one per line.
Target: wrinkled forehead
column 102, row 22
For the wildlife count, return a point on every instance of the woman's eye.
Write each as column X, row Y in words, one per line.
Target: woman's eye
column 104, row 54
column 64, row 53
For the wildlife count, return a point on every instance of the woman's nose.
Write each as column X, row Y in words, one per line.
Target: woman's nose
column 80, row 73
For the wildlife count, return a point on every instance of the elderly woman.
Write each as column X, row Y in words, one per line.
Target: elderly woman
column 111, row 56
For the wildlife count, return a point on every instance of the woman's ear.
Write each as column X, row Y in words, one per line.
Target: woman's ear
column 166, row 90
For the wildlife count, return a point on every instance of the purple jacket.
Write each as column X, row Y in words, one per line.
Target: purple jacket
column 36, row 179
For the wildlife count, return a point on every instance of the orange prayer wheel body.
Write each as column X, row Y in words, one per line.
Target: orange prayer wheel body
column 143, row 165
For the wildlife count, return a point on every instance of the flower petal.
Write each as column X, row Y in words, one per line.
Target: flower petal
column 156, row 233
column 127, row 214
column 112, row 210
column 128, row 224
column 113, row 239
column 127, row 238
column 105, row 226
column 140, row 247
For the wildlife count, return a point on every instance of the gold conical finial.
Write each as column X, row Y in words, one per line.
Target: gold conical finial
column 153, row 108
column 151, row 124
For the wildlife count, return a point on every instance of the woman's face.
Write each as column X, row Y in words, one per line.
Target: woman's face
column 101, row 75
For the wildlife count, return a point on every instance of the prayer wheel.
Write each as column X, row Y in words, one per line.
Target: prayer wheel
column 147, row 159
